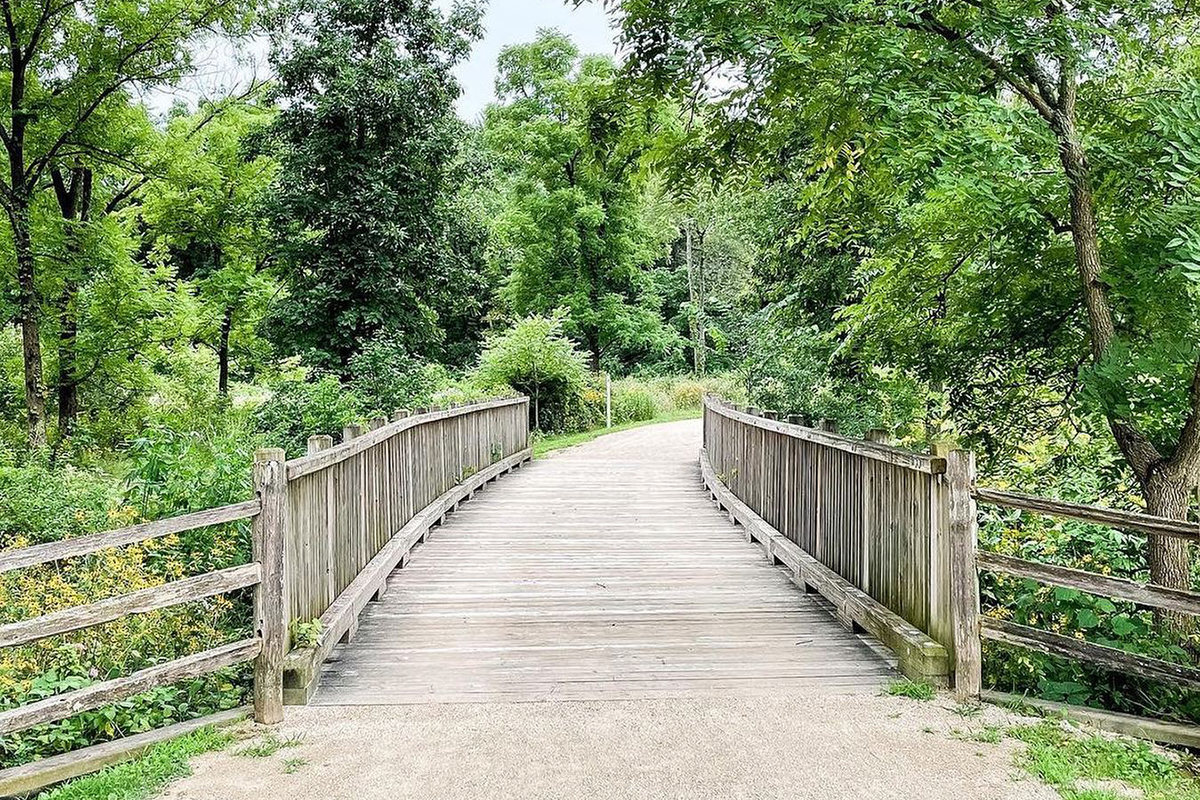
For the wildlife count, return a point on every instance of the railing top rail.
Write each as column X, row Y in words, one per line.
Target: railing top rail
column 315, row 462
column 1142, row 523
column 95, row 542
column 933, row 465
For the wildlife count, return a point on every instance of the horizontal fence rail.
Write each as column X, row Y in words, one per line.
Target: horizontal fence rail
column 876, row 515
column 1144, row 594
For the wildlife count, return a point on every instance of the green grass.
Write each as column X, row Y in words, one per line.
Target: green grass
column 546, row 444
column 292, row 765
column 1064, row 759
column 268, row 745
column 916, row 690
column 146, row 775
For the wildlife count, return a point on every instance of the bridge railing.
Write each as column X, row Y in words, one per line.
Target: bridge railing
column 327, row 529
column 357, row 509
column 867, row 523
column 890, row 537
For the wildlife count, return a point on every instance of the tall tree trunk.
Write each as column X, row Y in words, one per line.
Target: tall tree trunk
column 695, row 327
column 223, row 352
column 68, row 372
column 29, row 314
column 75, row 204
column 1165, row 489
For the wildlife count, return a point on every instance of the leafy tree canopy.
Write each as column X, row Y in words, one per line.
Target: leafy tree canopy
column 369, row 236
column 574, row 232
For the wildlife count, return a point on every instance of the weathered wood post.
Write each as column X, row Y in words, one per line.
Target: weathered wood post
column 316, row 443
column 964, row 577
column 270, row 615
column 607, row 400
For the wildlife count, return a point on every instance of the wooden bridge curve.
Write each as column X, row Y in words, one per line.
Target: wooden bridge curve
column 388, row 570
column 603, row 572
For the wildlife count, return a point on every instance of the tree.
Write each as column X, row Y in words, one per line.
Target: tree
column 370, row 236
column 536, row 358
column 1067, row 99
column 573, row 230
column 67, row 62
column 205, row 220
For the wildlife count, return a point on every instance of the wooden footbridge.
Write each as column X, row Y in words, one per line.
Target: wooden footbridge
column 424, row 560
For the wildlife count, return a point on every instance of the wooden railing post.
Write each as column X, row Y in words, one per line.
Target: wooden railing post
column 964, row 576
column 317, row 443
column 270, row 616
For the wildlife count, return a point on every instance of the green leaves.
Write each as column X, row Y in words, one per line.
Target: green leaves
column 574, row 224
column 371, row 235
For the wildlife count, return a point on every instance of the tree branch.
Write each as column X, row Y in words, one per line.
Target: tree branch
column 1029, row 91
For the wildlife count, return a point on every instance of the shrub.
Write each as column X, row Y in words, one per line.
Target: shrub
column 299, row 409
column 687, row 393
column 41, row 505
column 385, row 377
column 632, row 402
column 797, row 371
column 534, row 357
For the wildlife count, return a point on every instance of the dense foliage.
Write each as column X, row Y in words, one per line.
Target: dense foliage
column 965, row 222
column 371, row 237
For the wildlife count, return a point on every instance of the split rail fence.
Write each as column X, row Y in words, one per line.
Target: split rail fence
column 327, row 529
column 890, row 538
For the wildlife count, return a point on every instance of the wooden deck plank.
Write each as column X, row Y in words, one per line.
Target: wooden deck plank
column 601, row 573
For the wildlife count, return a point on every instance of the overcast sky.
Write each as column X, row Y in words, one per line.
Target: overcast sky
column 516, row 21
column 222, row 67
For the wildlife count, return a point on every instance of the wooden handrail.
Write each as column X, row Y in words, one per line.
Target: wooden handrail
column 1146, row 594
column 305, row 465
column 95, row 542
column 112, row 608
column 933, row 465
column 1143, row 523
column 67, row 704
column 1055, row 644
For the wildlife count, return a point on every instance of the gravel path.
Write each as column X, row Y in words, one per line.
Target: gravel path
column 823, row 747
column 822, row 741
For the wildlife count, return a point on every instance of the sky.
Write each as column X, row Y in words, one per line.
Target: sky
column 225, row 67
column 516, row 21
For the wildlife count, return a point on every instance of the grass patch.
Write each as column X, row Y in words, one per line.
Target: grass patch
column 268, row 745
column 546, row 444
column 146, row 775
column 916, row 690
column 1078, row 765
column 988, row 734
column 291, row 765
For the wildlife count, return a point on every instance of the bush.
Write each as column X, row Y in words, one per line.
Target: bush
column 632, row 402
column 687, row 393
column 299, row 409
column 385, row 377
column 796, row 371
column 39, row 505
column 534, row 357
